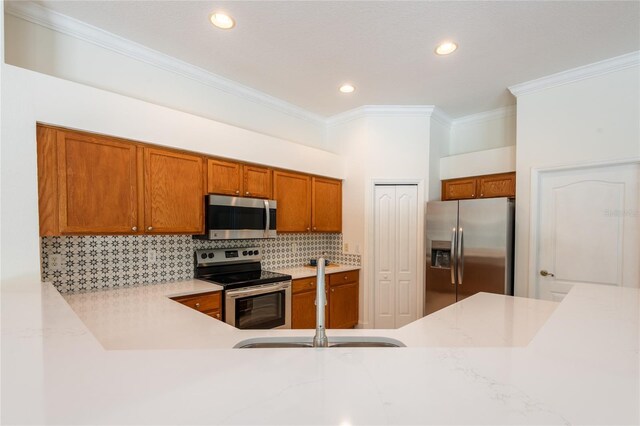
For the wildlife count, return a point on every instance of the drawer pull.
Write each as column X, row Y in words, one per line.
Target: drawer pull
column 197, row 304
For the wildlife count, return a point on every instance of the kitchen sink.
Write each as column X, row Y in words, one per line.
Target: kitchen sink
column 307, row 342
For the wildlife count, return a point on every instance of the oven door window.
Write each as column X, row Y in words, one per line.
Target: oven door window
column 262, row 311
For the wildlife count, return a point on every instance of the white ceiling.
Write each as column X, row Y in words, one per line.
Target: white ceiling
column 302, row 51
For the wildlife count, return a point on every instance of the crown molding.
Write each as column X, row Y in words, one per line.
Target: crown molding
column 381, row 111
column 493, row 114
column 441, row 117
column 40, row 15
column 576, row 74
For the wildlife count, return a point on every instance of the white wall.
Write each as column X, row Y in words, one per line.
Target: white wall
column 379, row 148
column 591, row 120
column 439, row 145
column 41, row 49
column 483, row 131
column 490, row 161
column 28, row 97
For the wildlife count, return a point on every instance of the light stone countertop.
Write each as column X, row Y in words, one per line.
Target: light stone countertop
column 489, row 359
column 309, row 271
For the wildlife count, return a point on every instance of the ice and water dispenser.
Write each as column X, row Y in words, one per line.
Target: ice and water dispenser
column 441, row 254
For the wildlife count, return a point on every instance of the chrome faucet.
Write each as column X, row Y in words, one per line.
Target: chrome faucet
column 320, row 339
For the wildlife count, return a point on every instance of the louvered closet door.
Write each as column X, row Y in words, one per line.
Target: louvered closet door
column 395, row 240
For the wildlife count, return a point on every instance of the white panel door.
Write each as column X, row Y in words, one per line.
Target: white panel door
column 395, row 278
column 589, row 229
column 405, row 247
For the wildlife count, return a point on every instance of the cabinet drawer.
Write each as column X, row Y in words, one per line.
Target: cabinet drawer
column 217, row 314
column 343, row 277
column 303, row 284
column 201, row 302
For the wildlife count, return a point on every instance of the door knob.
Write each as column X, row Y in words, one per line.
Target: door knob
column 545, row 273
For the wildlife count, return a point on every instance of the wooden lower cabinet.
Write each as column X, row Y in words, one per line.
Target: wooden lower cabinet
column 303, row 310
column 207, row 303
column 342, row 301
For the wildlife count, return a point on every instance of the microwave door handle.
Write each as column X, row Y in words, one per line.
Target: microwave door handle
column 267, row 222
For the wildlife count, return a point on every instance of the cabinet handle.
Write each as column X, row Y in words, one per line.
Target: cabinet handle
column 314, row 228
column 134, row 228
column 308, row 229
column 197, row 304
column 311, row 284
column 150, row 228
column 332, row 290
column 346, row 277
column 218, row 316
column 247, row 193
column 237, row 191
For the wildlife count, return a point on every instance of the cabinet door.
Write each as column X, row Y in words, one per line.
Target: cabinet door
column 97, row 184
column 343, row 305
column 458, row 189
column 303, row 310
column 224, row 177
column 257, row 181
column 174, row 192
column 303, row 306
column 502, row 185
column 292, row 191
column 327, row 205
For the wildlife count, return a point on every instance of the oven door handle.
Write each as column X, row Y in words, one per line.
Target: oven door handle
column 254, row 291
column 267, row 222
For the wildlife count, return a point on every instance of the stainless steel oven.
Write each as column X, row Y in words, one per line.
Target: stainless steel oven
column 236, row 218
column 259, row 307
column 252, row 297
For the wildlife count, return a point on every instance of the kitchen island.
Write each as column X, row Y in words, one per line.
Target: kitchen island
column 135, row 356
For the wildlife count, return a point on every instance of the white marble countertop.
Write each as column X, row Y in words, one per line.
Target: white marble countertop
column 310, row 271
column 489, row 359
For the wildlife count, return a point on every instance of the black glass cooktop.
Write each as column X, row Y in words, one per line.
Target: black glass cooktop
column 245, row 279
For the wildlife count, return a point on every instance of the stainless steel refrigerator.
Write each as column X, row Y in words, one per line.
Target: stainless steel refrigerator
column 469, row 250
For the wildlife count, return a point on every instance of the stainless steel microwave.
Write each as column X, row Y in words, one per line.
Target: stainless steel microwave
column 239, row 218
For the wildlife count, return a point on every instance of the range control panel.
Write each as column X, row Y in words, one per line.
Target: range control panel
column 228, row 255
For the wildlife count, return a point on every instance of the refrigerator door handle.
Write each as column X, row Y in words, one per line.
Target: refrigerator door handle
column 460, row 257
column 453, row 265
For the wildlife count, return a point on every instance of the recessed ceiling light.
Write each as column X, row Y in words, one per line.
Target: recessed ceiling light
column 222, row 20
column 446, row 48
column 347, row 88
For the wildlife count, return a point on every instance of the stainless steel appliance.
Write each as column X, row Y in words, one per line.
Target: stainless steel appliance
column 237, row 218
column 253, row 298
column 469, row 250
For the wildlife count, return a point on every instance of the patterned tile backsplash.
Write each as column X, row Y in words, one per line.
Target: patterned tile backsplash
column 100, row 262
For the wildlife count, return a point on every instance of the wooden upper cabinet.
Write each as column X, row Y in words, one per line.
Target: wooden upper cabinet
column 326, row 205
column 256, row 181
column 488, row 186
column 97, row 184
column 459, row 189
column 224, row 177
column 174, row 191
column 292, row 191
column 502, row 185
